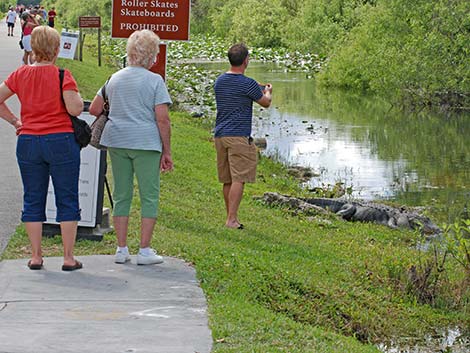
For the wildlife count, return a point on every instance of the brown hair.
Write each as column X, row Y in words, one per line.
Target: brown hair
column 237, row 54
column 45, row 42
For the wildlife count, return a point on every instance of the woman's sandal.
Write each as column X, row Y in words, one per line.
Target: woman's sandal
column 35, row 266
column 78, row 265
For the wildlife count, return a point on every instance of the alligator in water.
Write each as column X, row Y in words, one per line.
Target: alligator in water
column 363, row 212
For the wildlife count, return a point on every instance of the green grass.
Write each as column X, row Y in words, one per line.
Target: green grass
column 286, row 283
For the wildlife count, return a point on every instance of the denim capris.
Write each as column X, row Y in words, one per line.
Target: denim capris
column 41, row 156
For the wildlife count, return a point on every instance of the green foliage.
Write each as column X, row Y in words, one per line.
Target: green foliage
column 68, row 11
column 259, row 23
column 4, row 5
column 458, row 238
column 415, row 51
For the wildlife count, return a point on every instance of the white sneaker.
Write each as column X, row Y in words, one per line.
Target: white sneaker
column 149, row 259
column 121, row 257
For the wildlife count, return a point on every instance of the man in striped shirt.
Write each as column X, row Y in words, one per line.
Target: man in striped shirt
column 236, row 152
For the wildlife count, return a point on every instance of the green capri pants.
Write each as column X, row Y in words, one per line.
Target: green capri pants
column 146, row 166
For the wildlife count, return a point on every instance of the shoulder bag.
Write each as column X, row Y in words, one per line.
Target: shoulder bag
column 98, row 125
column 81, row 129
column 21, row 39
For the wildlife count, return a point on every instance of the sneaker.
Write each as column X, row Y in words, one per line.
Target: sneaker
column 149, row 259
column 121, row 258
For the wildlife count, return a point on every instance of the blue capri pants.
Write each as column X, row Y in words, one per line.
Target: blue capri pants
column 54, row 155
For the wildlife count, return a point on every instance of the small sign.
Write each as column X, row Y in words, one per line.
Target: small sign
column 68, row 44
column 87, row 187
column 168, row 19
column 160, row 66
column 89, row 22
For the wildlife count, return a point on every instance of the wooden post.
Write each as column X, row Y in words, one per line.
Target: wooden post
column 80, row 57
column 99, row 46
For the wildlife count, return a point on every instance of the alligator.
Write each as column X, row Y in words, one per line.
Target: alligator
column 364, row 212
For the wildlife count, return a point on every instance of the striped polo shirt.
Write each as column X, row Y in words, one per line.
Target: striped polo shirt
column 234, row 95
column 133, row 93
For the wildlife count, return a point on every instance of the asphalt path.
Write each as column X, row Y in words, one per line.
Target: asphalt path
column 10, row 182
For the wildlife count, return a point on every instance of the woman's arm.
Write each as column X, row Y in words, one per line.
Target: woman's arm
column 96, row 106
column 164, row 126
column 73, row 102
column 5, row 112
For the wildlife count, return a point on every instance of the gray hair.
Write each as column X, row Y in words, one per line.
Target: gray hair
column 142, row 48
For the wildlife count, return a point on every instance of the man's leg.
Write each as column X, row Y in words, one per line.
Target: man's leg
column 226, row 191
column 234, row 198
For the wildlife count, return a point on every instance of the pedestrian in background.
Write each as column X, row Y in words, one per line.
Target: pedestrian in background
column 11, row 20
column 28, row 23
column 236, row 152
column 51, row 17
column 46, row 146
column 137, row 136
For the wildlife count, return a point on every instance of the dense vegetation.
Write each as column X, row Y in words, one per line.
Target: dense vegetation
column 416, row 52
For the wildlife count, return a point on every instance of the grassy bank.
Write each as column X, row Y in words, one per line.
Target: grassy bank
column 286, row 283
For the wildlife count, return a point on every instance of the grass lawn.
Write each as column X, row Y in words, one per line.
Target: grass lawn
column 286, row 283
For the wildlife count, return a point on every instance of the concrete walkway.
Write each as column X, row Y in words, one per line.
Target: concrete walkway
column 104, row 307
column 10, row 183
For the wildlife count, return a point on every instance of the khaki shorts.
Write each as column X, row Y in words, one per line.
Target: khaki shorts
column 236, row 159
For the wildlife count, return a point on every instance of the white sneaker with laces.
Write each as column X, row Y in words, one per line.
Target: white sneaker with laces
column 149, row 259
column 121, row 257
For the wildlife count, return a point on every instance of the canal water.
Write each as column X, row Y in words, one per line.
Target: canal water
column 376, row 150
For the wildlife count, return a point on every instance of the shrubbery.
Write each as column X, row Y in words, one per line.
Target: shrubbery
column 416, row 52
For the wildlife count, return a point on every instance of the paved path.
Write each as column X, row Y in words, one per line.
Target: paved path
column 104, row 307
column 10, row 182
column 101, row 308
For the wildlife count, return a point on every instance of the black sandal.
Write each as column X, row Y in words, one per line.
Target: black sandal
column 35, row 266
column 78, row 265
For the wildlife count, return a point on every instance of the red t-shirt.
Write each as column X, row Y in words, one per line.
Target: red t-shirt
column 51, row 15
column 38, row 89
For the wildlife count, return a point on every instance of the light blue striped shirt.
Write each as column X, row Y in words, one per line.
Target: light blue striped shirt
column 133, row 93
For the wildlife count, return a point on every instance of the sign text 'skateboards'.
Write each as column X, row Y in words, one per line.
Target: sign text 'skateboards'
column 169, row 19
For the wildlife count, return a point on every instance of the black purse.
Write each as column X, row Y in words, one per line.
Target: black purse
column 21, row 39
column 81, row 129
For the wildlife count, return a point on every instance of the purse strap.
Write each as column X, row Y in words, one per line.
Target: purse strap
column 61, row 80
column 105, row 97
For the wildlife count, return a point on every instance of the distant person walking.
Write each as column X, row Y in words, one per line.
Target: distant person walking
column 11, row 20
column 28, row 23
column 236, row 152
column 51, row 17
column 137, row 135
column 46, row 145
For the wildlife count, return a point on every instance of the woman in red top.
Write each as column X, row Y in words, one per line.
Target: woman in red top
column 46, row 145
column 28, row 23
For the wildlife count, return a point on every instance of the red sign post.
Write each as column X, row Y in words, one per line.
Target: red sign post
column 160, row 66
column 168, row 19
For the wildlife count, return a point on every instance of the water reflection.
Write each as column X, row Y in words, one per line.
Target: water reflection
column 329, row 149
column 450, row 340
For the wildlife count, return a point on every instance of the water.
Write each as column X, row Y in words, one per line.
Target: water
column 413, row 158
